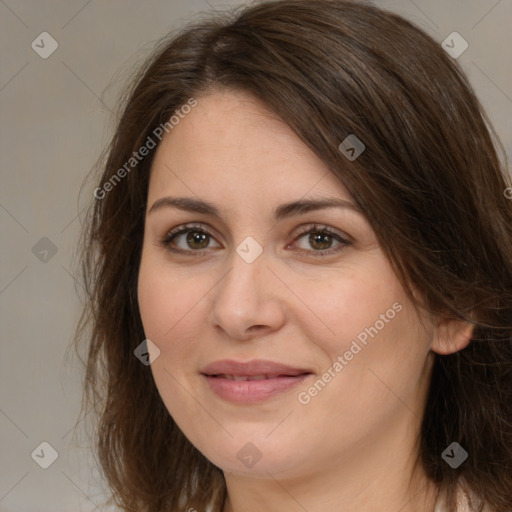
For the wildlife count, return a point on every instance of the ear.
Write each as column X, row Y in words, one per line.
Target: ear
column 451, row 335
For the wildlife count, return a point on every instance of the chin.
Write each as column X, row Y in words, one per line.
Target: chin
column 254, row 456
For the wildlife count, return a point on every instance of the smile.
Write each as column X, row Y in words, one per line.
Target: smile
column 246, row 377
column 245, row 389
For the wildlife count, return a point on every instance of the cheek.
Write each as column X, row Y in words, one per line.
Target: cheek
column 341, row 308
column 168, row 306
column 169, row 318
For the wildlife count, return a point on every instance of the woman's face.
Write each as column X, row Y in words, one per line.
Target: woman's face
column 340, row 361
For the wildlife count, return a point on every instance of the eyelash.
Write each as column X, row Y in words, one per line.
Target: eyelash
column 200, row 228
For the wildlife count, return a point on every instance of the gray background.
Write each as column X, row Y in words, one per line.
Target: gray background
column 56, row 118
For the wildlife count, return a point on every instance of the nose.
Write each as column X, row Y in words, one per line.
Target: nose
column 247, row 301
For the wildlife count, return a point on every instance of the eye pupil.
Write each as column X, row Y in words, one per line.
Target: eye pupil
column 323, row 239
column 197, row 237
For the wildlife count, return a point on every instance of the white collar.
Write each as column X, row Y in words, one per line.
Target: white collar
column 464, row 498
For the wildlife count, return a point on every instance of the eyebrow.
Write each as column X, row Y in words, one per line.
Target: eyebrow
column 283, row 211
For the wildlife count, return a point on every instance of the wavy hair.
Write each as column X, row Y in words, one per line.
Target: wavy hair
column 431, row 181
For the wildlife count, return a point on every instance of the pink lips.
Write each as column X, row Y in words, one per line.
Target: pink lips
column 251, row 381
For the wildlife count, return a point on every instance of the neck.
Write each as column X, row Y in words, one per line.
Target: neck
column 385, row 494
column 377, row 475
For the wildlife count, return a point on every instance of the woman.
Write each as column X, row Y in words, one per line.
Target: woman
column 299, row 270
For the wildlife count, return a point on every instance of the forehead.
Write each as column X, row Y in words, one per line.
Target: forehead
column 231, row 143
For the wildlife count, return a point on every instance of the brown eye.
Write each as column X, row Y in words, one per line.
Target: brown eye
column 199, row 238
column 187, row 239
column 320, row 241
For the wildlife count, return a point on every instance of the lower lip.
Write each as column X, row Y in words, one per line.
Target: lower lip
column 250, row 391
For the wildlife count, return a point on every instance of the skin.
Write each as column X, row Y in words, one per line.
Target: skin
column 353, row 446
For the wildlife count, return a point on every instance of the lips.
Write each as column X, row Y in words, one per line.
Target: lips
column 246, row 377
column 257, row 368
column 252, row 381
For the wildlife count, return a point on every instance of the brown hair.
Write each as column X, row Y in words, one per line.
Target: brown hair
column 430, row 181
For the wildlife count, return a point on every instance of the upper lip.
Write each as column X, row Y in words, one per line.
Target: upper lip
column 251, row 368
